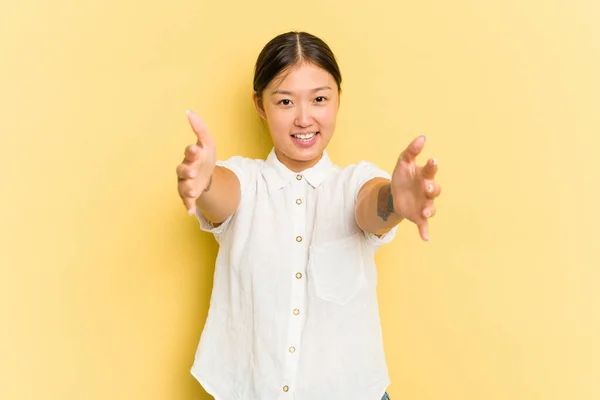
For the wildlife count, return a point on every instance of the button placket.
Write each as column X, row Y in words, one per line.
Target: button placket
column 299, row 256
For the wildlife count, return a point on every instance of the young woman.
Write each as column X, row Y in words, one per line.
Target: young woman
column 293, row 312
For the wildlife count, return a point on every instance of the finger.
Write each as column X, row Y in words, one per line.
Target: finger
column 424, row 230
column 190, row 205
column 432, row 190
column 413, row 150
column 430, row 169
column 185, row 171
column 429, row 211
column 181, row 171
column 199, row 128
column 186, row 192
column 186, row 189
column 191, row 153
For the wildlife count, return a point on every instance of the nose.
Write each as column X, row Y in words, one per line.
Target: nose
column 303, row 117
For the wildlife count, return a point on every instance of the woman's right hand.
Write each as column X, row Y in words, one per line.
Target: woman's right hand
column 194, row 174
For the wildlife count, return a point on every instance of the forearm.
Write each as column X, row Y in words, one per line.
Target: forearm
column 375, row 207
column 222, row 196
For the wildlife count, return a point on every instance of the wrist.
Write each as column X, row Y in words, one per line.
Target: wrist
column 207, row 188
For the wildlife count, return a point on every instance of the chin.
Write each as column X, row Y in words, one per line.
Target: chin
column 306, row 154
column 307, row 157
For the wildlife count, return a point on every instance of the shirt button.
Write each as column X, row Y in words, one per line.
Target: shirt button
column 296, row 311
column 298, row 239
column 286, row 388
column 298, row 275
column 292, row 349
column 298, row 201
column 299, row 177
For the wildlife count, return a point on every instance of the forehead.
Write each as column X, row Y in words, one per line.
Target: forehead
column 305, row 76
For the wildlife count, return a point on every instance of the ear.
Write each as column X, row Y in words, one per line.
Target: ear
column 258, row 104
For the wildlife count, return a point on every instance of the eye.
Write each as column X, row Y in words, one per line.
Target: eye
column 320, row 99
column 285, row 102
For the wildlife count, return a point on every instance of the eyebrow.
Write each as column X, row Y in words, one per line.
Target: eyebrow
column 291, row 93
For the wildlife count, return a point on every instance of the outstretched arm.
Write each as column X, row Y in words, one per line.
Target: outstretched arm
column 382, row 204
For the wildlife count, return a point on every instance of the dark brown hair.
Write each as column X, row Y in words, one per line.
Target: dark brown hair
column 290, row 49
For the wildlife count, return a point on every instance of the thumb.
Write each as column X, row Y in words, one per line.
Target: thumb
column 413, row 150
column 199, row 128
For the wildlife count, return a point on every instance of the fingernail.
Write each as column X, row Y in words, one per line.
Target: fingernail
column 188, row 111
column 424, row 137
column 191, row 211
column 430, row 188
column 427, row 214
column 434, row 161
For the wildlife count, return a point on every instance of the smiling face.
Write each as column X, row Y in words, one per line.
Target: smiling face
column 300, row 108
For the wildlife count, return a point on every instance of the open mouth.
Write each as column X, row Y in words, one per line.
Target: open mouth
column 306, row 137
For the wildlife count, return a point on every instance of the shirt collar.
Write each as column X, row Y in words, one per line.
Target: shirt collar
column 278, row 175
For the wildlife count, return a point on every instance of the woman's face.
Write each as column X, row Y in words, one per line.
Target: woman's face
column 300, row 108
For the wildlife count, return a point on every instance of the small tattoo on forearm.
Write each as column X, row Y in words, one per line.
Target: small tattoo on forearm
column 385, row 202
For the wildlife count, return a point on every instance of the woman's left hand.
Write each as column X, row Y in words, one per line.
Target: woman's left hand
column 414, row 188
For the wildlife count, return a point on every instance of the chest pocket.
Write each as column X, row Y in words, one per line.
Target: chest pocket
column 336, row 268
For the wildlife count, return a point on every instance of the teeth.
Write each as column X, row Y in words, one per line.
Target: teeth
column 306, row 136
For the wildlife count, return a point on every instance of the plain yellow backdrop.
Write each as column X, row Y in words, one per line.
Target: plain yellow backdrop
column 105, row 280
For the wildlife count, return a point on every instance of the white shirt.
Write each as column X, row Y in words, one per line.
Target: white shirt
column 293, row 312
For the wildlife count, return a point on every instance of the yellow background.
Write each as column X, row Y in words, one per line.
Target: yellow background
column 105, row 280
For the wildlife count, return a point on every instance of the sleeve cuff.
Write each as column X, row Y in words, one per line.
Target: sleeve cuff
column 375, row 241
column 232, row 164
column 208, row 226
